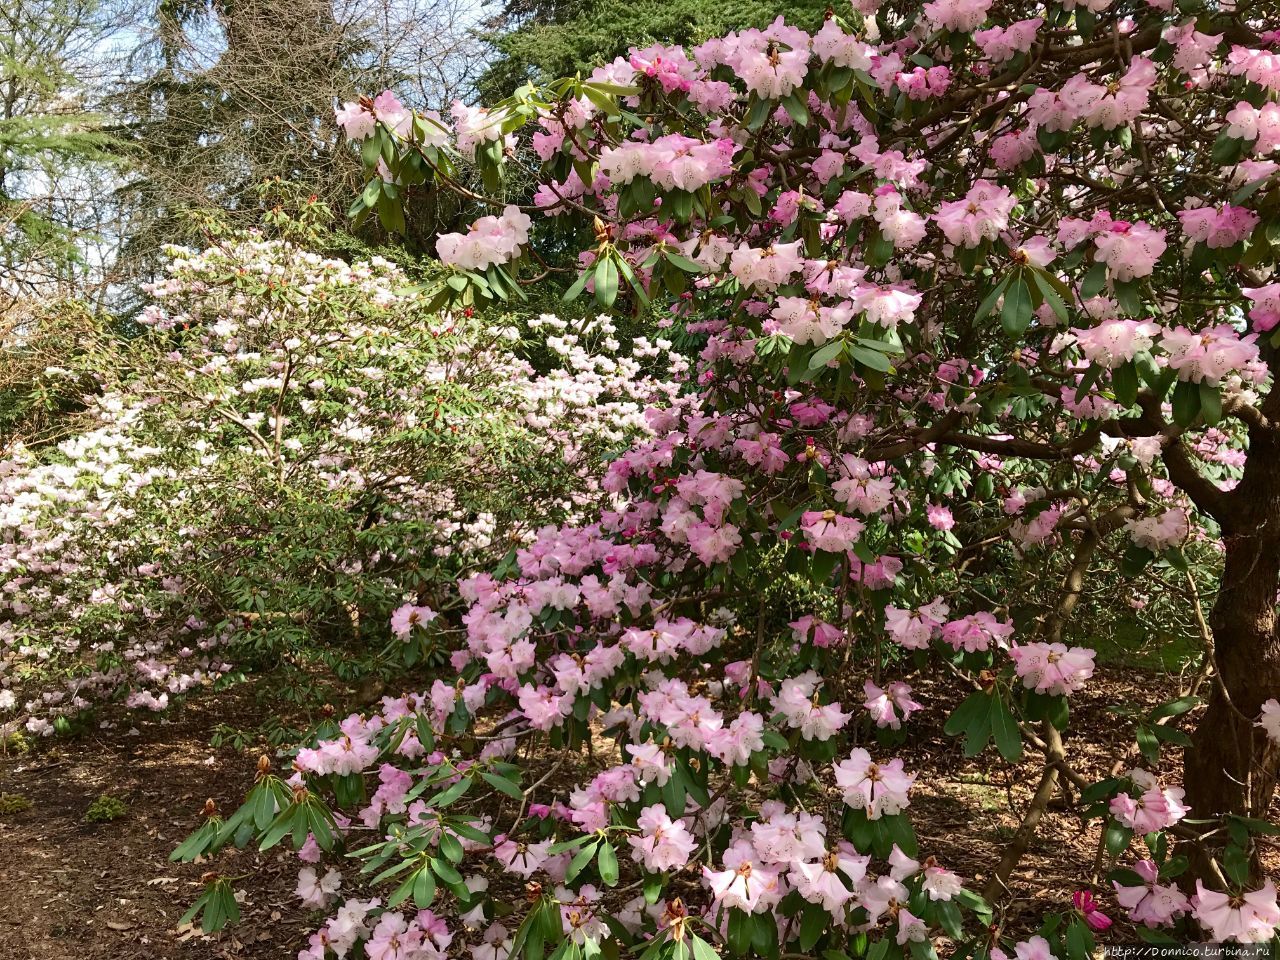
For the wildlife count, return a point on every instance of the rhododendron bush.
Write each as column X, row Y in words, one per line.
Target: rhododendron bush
column 292, row 449
column 984, row 303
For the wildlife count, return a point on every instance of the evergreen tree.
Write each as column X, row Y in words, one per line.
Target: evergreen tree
column 552, row 38
column 236, row 92
column 49, row 139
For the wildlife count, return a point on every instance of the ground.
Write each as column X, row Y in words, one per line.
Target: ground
column 75, row 890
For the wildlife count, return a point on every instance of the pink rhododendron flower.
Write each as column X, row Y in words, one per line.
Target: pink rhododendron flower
column 914, row 630
column 1130, row 250
column 1265, row 312
column 797, row 701
column 317, row 893
column 1249, row 918
column 489, row 240
column 1270, row 719
column 828, row 530
column 1217, row 228
column 1162, row 531
column 831, row 879
column 939, row 517
column 1259, row 126
column 880, row 789
column 1052, row 668
column 891, row 706
column 1156, row 808
column 983, row 214
column 959, row 16
column 1116, row 342
column 1083, row 901
column 1004, row 43
column 1152, row 903
column 1037, row 948
column 408, row 616
column 663, row 844
column 977, row 631
column 1210, row 354
column 745, row 882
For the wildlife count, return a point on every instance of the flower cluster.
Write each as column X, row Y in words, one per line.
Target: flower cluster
column 939, row 326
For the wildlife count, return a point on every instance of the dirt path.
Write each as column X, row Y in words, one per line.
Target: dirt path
column 72, row 890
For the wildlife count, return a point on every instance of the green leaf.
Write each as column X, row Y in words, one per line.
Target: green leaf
column 653, row 887
column 1228, row 150
column 764, row 934
column 1079, row 941
column 1129, row 296
column 1148, row 744
column 1126, row 878
column 607, row 864
column 898, row 829
column 564, row 846
column 580, row 860
column 1116, row 838
column 424, row 888
column 978, row 733
column 1048, row 286
column 606, row 276
column 1254, row 825
column 1124, row 382
column 683, row 262
column 739, row 932
column 1186, row 403
column 371, row 150
column 812, row 925
column 1095, row 792
column 503, row 785
column 607, row 104
column 629, row 275
column 949, row 918
column 824, row 564
column 989, row 301
column 796, row 108
column 450, row 847
column 1005, row 730
column 1135, row 560
column 447, row 796
column 1094, row 281
column 1236, row 864
column 1171, row 735
column 871, row 358
column 1175, row 707
column 196, row 844
column 445, row 871
column 196, row 907
column 576, row 288
column 279, row 828
column 1211, row 403
column 1015, row 315
column 402, row 892
column 390, row 213
column 973, row 706
column 701, row 949
column 1174, row 867
column 826, row 353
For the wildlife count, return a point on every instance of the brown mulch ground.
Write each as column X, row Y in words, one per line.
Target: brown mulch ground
column 71, row 890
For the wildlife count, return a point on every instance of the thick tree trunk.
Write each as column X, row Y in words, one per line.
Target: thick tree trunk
column 1232, row 766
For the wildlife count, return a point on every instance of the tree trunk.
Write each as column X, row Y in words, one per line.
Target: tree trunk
column 1232, row 765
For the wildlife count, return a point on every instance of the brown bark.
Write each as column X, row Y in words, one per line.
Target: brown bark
column 1232, row 766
